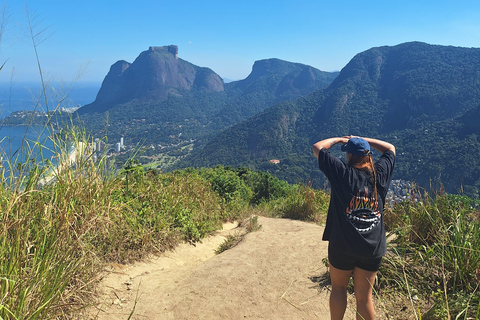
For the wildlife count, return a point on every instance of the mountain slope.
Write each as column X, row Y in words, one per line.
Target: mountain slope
column 420, row 97
column 284, row 77
column 271, row 81
column 160, row 99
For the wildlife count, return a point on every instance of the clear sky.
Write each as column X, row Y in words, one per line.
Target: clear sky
column 88, row 36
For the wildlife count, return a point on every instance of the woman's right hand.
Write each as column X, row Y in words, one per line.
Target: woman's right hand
column 344, row 139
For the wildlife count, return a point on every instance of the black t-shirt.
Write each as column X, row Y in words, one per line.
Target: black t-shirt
column 355, row 216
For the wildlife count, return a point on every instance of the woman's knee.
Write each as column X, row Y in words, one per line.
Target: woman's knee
column 363, row 300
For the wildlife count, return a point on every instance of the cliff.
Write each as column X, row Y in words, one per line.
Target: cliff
column 154, row 75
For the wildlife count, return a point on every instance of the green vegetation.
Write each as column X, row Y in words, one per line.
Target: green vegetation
column 251, row 224
column 30, row 118
column 435, row 255
column 56, row 238
column 395, row 93
column 63, row 220
column 165, row 119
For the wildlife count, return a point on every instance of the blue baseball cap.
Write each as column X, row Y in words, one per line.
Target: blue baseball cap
column 356, row 146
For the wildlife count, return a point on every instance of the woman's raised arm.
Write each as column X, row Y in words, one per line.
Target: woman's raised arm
column 327, row 144
column 380, row 145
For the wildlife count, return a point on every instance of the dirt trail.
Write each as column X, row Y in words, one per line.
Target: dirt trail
column 274, row 273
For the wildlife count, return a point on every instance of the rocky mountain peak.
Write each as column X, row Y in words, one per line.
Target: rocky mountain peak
column 154, row 75
column 173, row 49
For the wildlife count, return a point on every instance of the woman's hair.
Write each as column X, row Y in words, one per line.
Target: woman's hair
column 365, row 161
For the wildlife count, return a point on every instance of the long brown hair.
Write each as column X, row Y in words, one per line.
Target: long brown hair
column 364, row 162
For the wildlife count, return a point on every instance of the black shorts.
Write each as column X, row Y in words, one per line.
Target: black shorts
column 342, row 261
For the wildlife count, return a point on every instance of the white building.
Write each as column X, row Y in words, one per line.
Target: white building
column 100, row 145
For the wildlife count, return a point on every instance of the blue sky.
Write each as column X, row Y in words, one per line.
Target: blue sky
column 88, row 36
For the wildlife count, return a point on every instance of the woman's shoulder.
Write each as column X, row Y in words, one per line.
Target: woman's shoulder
column 330, row 163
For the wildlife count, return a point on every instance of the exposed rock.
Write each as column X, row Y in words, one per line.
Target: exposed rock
column 171, row 49
column 208, row 80
column 112, row 84
column 155, row 74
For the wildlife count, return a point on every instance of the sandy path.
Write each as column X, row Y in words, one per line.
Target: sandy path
column 274, row 273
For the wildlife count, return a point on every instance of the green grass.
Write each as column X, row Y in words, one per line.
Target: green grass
column 61, row 223
column 436, row 253
column 300, row 203
column 57, row 236
column 165, row 159
column 249, row 225
column 231, row 241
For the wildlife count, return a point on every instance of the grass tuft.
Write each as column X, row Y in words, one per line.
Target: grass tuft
column 436, row 253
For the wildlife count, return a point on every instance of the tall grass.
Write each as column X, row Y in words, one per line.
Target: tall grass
column 55, row 238
column 300, row 203
column 42, row 258
column 62, row 220
column 437, row 253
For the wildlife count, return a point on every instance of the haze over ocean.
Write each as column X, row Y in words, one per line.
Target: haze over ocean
column 28, row 96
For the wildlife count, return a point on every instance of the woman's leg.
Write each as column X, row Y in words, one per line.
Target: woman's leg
column 363, row 286
column 338, row 296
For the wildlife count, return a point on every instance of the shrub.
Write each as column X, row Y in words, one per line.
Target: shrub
column 228, row 184
column 300, row 203
column 264, row 186
column 55, row 238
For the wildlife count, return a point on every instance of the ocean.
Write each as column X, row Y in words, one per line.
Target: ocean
column 20, row 140
column 29, row 96
column 20, row 143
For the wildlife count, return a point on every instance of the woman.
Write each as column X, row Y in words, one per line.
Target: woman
column 354, row 227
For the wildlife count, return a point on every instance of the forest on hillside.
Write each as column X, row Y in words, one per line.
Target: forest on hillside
column 420, row 97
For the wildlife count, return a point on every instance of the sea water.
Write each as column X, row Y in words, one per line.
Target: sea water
column 31, row 96
column 24, row 143
column 20, row 143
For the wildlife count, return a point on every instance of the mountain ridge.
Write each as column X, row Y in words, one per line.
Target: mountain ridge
column 160, row 99
column 390, row 92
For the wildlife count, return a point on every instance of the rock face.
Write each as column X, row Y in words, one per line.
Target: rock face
column 154, row 75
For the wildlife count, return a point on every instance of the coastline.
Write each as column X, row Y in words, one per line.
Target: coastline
column 65, row 162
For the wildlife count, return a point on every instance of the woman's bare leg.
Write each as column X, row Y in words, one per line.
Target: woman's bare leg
column 338, row 296
column 363, row 286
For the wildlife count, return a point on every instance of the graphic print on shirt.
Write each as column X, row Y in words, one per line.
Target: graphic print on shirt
column 362, row 211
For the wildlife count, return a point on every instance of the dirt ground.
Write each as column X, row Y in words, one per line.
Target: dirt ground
column 273, row 273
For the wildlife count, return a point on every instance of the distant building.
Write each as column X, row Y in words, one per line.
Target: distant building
column 121, row 142
column 118, row 147
column 275, row 161
column 100, row 145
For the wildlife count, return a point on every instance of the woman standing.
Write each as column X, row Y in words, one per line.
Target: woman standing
column 354, row 226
